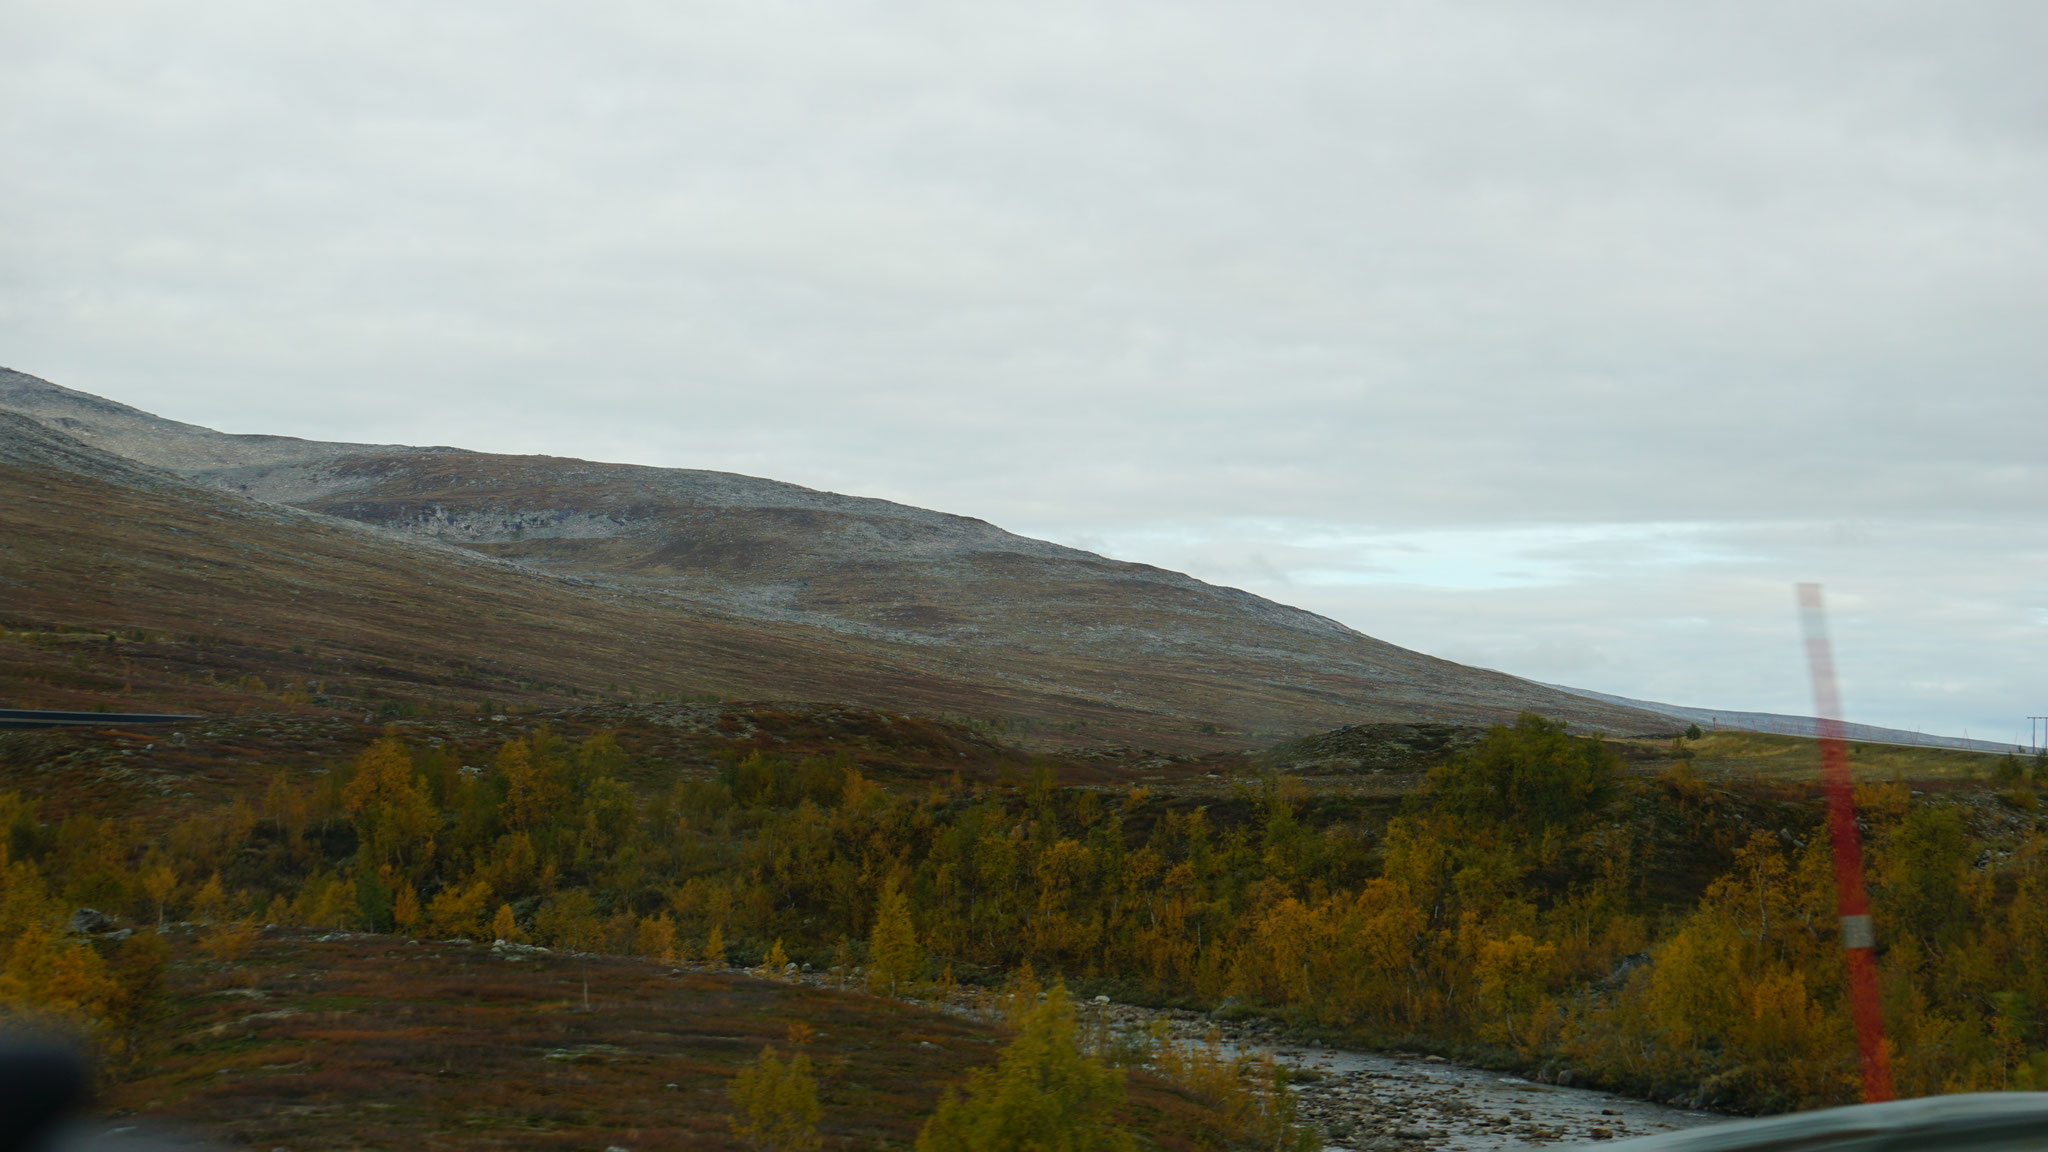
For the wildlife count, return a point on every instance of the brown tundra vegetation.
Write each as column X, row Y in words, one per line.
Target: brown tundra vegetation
column 1655, row 919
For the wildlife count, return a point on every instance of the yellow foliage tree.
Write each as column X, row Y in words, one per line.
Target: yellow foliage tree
column 1044, row 1093
column 458, row 911
column 1512, row 973
column 159, row 881
column 893, row 955
column 395, row 819
column 1273, row 964
column 842, row 962
column 43, row 972
column 323, row 902
column 512, row 864
column 777, row 1103
column 656, row 937
column 1248, row 1092
column 230, row 941
column 211, row 903
column 1023, row 999
column 533, row 798
column 505, row 926
column 1380, row 962
column 569, row 922
column 405, row 907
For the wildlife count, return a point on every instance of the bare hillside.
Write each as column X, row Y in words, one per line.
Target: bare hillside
column 871, row 601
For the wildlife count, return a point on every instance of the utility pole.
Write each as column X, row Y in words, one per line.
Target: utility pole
column 2034, row 743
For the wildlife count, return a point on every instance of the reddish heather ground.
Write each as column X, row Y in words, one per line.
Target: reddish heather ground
column 373, row 1042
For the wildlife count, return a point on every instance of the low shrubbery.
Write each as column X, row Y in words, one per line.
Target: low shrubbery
column 1526, row 903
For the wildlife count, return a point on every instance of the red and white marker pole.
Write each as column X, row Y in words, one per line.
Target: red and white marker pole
column 1859, row 939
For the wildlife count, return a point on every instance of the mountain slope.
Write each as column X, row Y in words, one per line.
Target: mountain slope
column 93, row 539
column 804, row 594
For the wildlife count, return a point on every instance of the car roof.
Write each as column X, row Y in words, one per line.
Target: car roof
column 1987, row 1121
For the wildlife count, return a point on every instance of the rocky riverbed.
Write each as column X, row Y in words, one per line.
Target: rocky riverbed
column 1389, row 1101
column 1369, row 1100
column 1394, row 1102
column 1376, row 1101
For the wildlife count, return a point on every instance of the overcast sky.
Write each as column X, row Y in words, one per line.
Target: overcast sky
column 1556, row 337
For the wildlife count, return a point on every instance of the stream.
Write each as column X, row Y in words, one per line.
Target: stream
column 1389, row 1101
column 1383, row 1101
column 1370, row 1100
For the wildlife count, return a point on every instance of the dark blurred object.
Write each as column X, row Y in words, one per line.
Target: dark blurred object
column 45, row 1086
column 41, row 1083
column 1976, row 1122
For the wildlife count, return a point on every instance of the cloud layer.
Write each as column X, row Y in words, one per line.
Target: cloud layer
column 1559, row 337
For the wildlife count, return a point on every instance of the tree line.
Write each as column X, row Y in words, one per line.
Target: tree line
column 1507, row 908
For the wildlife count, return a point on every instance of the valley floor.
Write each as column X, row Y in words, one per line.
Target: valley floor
column 1400, row 1100
column 343, row 1040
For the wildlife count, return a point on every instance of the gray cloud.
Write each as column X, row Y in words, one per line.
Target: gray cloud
column 1531, row 282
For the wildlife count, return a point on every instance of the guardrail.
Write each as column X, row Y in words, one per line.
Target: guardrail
column 44, row 718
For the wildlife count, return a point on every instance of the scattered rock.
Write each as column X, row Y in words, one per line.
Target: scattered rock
column 1373, row 748
column 90, row 922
